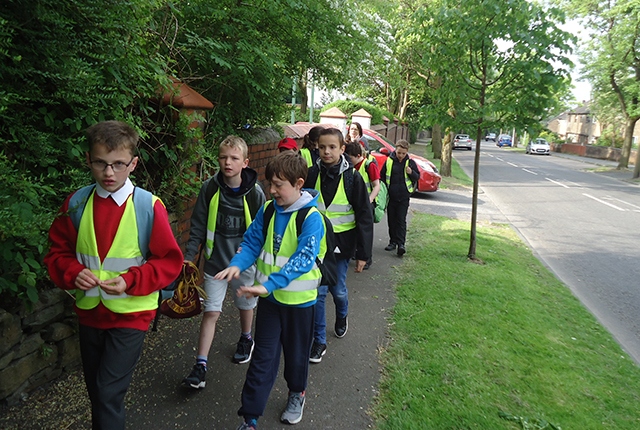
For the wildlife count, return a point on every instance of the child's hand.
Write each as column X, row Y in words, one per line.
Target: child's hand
column 114, row 286
column 251, row 291
column 86, row 280
column 360, row 265
column 408, row 169
column 231, row 272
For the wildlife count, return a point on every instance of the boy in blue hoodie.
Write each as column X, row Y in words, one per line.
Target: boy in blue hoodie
column 287, row 279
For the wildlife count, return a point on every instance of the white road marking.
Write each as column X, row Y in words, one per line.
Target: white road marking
column 514, row 165
column 626, row 203
column 603, row 202
column 499, row 159
column 557, row 183
column 529, row 171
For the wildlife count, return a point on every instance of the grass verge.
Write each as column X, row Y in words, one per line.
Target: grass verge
column 499, row 345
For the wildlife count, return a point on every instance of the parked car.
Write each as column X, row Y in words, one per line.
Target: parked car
column 381, row 148
column 538, row 146
column 504, row 140
column 490, row 137
column 462, row 141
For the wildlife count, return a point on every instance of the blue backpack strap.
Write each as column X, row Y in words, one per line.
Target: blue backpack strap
column 77, row 202
column 143, row 203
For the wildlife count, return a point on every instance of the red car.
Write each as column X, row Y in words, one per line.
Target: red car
column 381, row 148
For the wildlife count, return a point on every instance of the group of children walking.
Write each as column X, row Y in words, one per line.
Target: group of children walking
column 112, row 245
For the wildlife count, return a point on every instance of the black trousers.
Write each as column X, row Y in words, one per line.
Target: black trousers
column 109, row 358
column 397, row 221
column 278, row 328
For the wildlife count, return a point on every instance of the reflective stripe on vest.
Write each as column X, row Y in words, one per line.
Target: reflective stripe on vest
column 212, row 221
column 407, row 180
column 305, row 153
column 302, row 289
column 365, row 174
column 123, row 254
column 340, row 212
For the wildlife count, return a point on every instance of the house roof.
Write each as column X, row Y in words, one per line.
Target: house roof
column 299, row 129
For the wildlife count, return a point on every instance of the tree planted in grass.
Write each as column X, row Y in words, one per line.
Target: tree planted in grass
column 498, row 62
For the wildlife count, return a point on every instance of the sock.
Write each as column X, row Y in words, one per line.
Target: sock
column 247, row 335
column 201, row 359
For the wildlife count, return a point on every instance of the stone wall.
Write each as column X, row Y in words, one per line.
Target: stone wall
column 39, row 345
column 593, row 151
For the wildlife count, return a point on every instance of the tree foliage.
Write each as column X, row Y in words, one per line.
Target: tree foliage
column 612, row 60
column 68, row 64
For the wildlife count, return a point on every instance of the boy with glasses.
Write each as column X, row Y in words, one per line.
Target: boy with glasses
column 112, row 246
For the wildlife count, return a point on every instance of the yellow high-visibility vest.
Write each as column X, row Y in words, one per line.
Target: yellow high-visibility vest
column 123, row 254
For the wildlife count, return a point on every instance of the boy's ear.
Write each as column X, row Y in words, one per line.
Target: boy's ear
column 88, row 156
column 300, row 183
column 245, row 163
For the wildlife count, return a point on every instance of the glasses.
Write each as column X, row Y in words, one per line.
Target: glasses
column 117, row 167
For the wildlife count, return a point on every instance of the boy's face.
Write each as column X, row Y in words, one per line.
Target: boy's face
column 330, row 149
column 111, row 169
column 283, row 192
column 231, row 161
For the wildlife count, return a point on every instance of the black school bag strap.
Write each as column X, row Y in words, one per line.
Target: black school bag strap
column 348, row 177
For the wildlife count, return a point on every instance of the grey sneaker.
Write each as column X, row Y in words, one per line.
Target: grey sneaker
column 244, row 350
column 253, row 425
column 196, row 377
column 293, row 412
column 341, row 327
column 317, row 351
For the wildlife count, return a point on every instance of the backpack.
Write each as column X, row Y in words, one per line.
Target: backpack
column 328, row 267
column 212, row 188
column 381, row 202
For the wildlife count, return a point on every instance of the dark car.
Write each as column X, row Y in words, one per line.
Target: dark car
column 504, row 140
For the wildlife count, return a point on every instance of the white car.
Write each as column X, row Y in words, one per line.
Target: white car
column 490, row 136
column 462, row 141
column 538, row 146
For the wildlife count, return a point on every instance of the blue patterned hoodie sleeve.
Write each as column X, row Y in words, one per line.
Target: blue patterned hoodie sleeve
column 304, row 257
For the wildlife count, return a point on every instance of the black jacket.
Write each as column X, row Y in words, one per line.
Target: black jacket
column 397, row 188
column 361, row 237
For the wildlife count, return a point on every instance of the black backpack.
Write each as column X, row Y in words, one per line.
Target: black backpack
column 328, row 267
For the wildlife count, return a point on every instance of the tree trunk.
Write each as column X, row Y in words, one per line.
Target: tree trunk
column 445, row 158
column 630, row 123
column 304, row 99
column 436, row 141
column 474, row 197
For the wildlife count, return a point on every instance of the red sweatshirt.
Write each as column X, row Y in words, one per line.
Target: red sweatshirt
column 162, row 267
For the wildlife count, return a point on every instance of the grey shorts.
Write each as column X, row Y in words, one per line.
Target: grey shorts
column 216, row 290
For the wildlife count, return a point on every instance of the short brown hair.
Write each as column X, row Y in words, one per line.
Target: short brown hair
column 287, row 165
column 232, row 141
column 402, row 144
column 332, row 132
column 113, row 135
column 354, row 149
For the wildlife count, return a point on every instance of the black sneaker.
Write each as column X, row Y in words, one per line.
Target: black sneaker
column 368, row 264
column 401, row 250
column 243, row 350
column 390, row 247
column 317, row 351
column 341, row 327
column 196, row 377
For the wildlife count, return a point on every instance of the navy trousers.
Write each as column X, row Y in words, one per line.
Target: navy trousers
column 109, row 358
column 278, row 328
